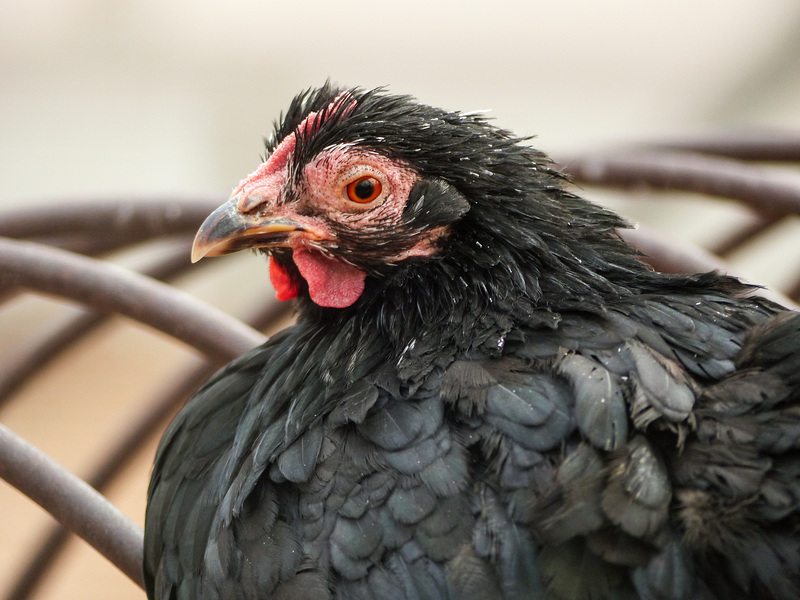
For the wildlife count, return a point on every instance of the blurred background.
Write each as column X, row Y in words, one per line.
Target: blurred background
column 102, row 99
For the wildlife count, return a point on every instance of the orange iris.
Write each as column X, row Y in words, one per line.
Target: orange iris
column 364, row 189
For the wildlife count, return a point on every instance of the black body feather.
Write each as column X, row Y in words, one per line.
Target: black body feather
column 532, row 413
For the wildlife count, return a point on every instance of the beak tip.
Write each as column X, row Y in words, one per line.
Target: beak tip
column 228, row 230
column 197, row 254
column 200, row 247
column 218, row 226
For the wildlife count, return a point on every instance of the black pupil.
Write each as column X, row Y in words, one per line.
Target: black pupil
column 364, row 189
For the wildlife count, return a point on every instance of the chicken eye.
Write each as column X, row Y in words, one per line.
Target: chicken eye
column 364, row 189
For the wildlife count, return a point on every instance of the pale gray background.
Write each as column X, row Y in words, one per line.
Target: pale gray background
column 153, row 96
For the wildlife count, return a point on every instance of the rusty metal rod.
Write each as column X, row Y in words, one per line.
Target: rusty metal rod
column 112, row 289
column 779, row 146
column 738, row 237
column 142, row 217
column 141, row 427
column 47, row 346
column 135, row 434
column 72, row 502
column 794, row 291
column 89, row 245
column 768, row 191
column 95, row 227
column 667, row 255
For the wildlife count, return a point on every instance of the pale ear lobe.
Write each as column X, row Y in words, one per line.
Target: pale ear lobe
column 434, row 202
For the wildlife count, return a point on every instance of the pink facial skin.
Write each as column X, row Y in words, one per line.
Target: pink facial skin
column 321, row 198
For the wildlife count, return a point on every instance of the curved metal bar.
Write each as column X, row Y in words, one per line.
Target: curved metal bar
column 142, row 217
column 794, row 291
column 769, row 192
column 89, row 245
column 664, row 254
column 53, row 341
column 72, row 502
column 112, row 289
column 129, row 442
column 745, row 145
column 136, row 433
column 97, row 227
column 668, row 256
column 742, row 235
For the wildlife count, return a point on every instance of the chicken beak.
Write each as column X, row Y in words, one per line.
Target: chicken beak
column 228, row 230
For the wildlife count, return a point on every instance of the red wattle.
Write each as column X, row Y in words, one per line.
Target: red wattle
column 331, row 282
column 285, row 288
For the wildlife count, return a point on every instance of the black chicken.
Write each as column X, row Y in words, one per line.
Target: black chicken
column 486, row 394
